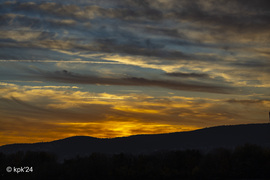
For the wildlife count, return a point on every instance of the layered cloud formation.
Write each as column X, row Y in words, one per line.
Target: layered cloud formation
column 112, row 68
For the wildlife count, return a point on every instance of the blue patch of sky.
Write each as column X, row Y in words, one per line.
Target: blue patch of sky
column 22, row 53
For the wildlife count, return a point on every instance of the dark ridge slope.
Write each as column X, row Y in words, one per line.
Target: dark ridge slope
column 203, row 139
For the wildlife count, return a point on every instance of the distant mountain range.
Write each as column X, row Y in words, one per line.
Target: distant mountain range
column 204, row 139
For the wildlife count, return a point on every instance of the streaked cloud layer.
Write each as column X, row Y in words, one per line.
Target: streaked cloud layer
column 113, row 68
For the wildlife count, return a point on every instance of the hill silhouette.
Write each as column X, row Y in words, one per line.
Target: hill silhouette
column 203, row 139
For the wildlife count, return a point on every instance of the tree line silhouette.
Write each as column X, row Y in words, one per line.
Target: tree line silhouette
column 247, row 161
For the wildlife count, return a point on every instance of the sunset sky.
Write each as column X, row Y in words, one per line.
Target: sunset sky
column 111, row 68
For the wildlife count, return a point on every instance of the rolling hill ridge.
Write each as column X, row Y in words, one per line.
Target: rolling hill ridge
column 203, row 139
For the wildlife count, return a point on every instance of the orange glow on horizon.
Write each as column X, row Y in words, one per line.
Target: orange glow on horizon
column 108, row 129
column 30, row 114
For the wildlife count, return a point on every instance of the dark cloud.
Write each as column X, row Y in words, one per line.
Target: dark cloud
column 132, row 49
column 246, row 101
column 74, row 78
column 241, row 16
column 61, row 10
column 247, row 15
column 35, row 23
column 39, row 109
column 257, row 6
column 25, row 105
column 251, row 64
column 171, row 32
column 187, row 75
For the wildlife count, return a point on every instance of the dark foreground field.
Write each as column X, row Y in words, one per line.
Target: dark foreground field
column 243, row 162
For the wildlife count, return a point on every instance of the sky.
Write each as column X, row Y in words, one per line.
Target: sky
column 113, row 68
